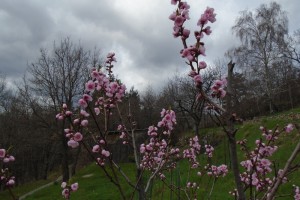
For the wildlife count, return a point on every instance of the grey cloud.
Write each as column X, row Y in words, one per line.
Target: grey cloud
column 139, row 31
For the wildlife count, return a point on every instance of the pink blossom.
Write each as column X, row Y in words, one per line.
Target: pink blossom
column 198, row 80
column 187, row 53
column 63, row 184
column 2, row 153
column 174, row 2
column 97, row 111
column 11, row 158
column 76, row 121
column 192, row 73
column 202, row 50
column 208, row 15
column 66, row 193
column 95, row 74
column 185, row 33
column 185, row 14
column 87, row 98
column 207, row 30
column 84, row 123
column 74, row 186
column 184, row 6
column 202, row 65
column 297, row 193
column 84, row 113
column 179, row 20
column 172, row 16
column 102, row 142
column 78, row 137
column 142, row 149
column 96, row 148
column 105, row 153
column 198, row 35
column 289, row 128
column 90, row 86
column 68, row 113
column 82, row 103
column 72, row 143
column 10, row 182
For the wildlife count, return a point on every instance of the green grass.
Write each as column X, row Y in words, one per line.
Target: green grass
column 21, row 190
column 98, row 186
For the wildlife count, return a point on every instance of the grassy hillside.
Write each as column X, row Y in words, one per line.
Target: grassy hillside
column 94, row 185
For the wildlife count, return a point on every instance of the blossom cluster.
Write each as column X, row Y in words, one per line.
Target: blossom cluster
column 192, row 152
column 124, row 135
column 64, row 113
column 5, row 157
column 67, row 189
column 106, row 93
column 101, row 151
column 157, row 154
column 209, row 150
column 5, row 177
column 258, row 166
column 217, row 171
column 168, row 121
column 218, row 88
column 179, row 17
column 297, row 192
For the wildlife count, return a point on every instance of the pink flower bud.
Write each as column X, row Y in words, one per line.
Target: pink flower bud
column 11, row 182
column 11, row 158
column 289, row 128
column 69, row 113
column 84, row 123
column 82, row 103
column 90, row 86
column 73, row 143
column 105, row 153
column 2, row 153
column 78, row 137
column 96, row 148
column 74, row 186
column 84, row 113
column 63, row 184
column 202, row 65
column 97, row 111
column 76, row 121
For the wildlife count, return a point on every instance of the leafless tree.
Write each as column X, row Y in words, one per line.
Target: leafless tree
column 58, row 77
column 262, row 35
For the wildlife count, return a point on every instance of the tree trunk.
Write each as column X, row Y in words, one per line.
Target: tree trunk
column 140, row 185
column 230, row 130
column 65, row 163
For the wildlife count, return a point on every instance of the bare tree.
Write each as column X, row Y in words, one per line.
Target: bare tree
column 292, row 48
column 262, row 34
column 58, row 77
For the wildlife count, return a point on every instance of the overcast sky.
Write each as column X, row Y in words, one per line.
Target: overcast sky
column 139, row 31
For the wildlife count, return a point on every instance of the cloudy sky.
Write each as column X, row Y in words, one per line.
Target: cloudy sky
column 139, row 31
